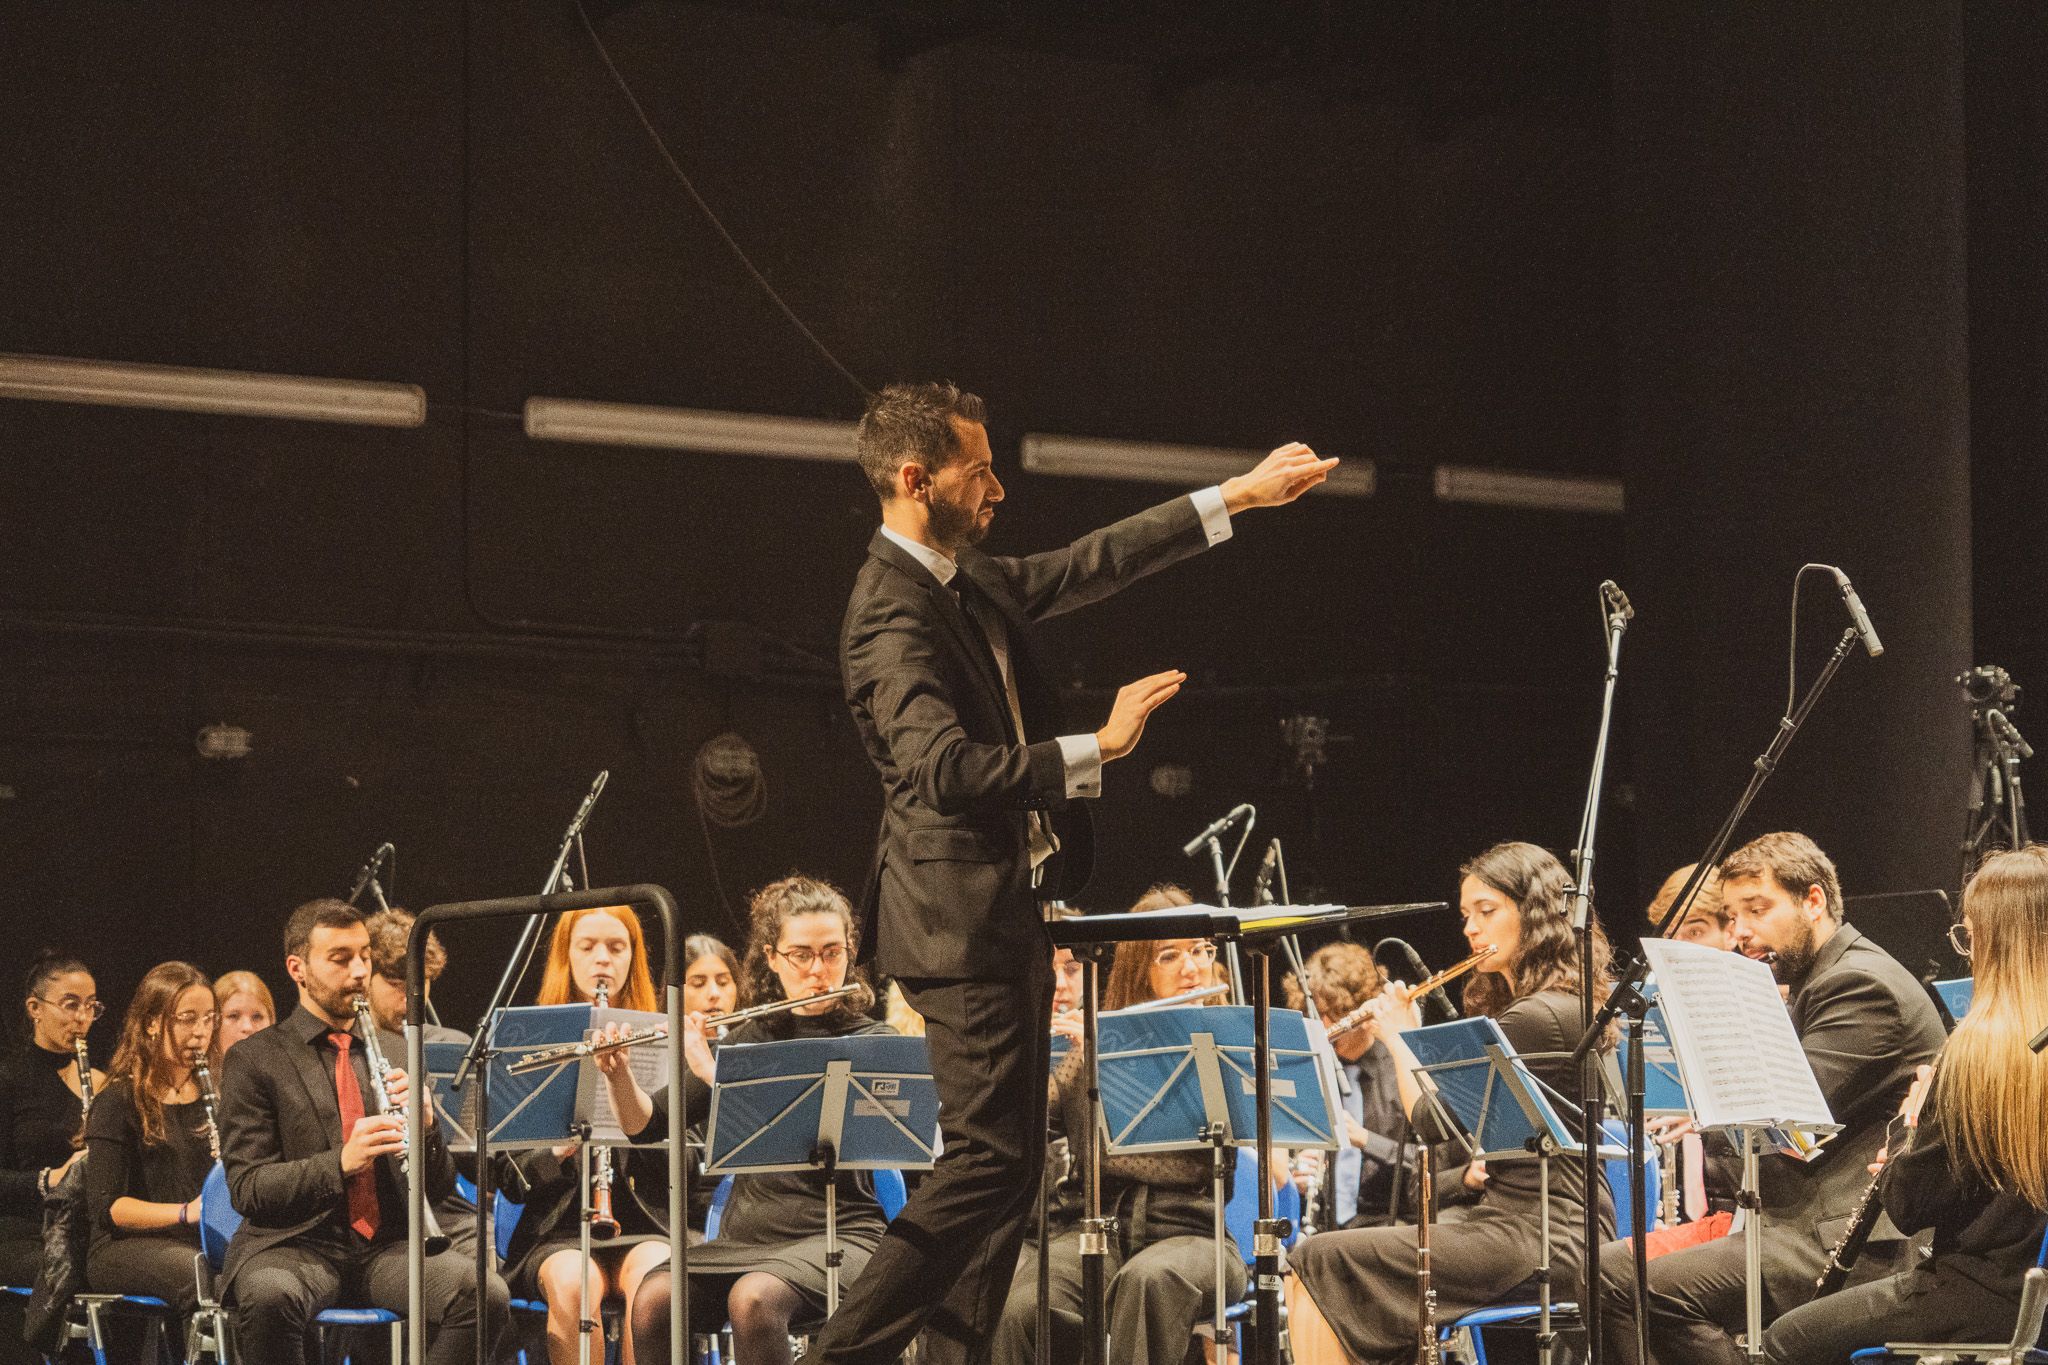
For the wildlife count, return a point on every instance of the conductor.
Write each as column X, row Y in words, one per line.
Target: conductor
column 982, row 782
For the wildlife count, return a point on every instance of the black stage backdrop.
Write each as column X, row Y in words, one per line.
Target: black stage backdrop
column 1721, row 256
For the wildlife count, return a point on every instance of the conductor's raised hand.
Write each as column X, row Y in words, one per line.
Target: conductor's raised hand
column 1135, row 703
column 1278, row 479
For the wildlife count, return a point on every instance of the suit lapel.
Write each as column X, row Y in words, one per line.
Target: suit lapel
column 320, row 1092
column 946, row 607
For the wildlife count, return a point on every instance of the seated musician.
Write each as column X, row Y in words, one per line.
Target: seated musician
column 389, row 929
column 245, row 1007
column 1162, row 1266
column 1513, row 897
column 1865, row 1024
column 149, row 1143
column 39, row 1105
column 545, row 1257
column 304, row 1142
column 713, row 984
column 765, row 1271
column 1358, row 1188
column 1972, row 1158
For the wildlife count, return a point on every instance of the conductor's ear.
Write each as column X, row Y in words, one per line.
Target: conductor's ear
column 913, row 481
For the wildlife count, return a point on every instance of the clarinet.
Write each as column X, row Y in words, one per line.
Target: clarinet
column 204, row 1076
column 380, row 1071
column 603, row 1226
column 84, row 1078
column 1842, row 1259
column 1426, row 1350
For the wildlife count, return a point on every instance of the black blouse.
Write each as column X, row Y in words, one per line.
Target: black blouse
column 119, row 1165
column 38, row 1118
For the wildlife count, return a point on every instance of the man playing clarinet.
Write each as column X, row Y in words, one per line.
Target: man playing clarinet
column 303, row 1139
column 981, row 780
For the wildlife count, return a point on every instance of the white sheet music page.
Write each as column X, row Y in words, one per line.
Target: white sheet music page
column 648, row 1062
column 1736, row 1047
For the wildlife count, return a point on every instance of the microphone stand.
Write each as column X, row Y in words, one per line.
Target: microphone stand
column 1634, row 968
column 367, row 877
column 1222, row 874
column 1592, row 1109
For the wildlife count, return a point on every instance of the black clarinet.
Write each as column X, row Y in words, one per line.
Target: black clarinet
column 1842, row 1259
column 204, row 1078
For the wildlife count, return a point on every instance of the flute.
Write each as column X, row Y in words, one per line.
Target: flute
column 563, row 1053
column 719, row 1021
column 1358, row 1017
column 1175, row 1001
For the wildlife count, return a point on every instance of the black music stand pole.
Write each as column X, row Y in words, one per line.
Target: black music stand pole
column 1268, row 1233
column 1096, row 1230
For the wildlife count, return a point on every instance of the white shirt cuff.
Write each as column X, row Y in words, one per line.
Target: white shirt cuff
column 1215, row 516
column 1083, row 758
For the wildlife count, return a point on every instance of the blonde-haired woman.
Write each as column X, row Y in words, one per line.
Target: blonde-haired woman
column 1973, row 1164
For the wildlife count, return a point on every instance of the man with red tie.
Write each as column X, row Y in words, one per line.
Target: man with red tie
column 305, row 1146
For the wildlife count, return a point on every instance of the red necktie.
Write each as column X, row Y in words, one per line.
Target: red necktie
column 362, row 1186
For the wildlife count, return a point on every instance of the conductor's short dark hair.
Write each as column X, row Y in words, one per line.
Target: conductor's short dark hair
column 913, row 422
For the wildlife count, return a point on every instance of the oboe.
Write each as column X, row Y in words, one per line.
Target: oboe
column 380, row 1072
column 203, row 1075
column 1849, row 1247
column 603, row 1226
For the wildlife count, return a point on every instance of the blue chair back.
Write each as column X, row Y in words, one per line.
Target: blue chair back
column 1616, row 1172
column 890, row 1192
column 1242, row 1210
column 717, row 1212
column 505, row 1216
column 217, row 1217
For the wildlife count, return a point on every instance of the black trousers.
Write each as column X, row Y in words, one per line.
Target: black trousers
column 1922, row 1304
column 141, row 1263
column 281, row 1289
column 944, row 1267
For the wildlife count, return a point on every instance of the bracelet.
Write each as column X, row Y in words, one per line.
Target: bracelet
column 184, row 1214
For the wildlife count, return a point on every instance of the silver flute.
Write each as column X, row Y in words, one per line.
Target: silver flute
column 380, row 1073
column 203, row 1074
column 719, row 1021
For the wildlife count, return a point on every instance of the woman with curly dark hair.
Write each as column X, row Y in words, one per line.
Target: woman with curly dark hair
column 765, row 1272
column 1513, row 899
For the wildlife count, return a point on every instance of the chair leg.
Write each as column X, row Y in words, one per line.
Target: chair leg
column 398, row 1342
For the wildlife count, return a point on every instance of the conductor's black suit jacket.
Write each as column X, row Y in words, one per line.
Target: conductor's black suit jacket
column 280, row 1136
column 949, row 893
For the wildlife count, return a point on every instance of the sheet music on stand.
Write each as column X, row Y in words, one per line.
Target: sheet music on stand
column 543, row 1108
column 1664, row 1093
column 1740, row 1059
column 1163, row 1072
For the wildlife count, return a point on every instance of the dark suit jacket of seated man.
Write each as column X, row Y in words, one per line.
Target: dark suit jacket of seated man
column 296, row 1252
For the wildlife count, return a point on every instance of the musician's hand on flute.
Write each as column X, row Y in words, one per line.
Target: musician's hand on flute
column 1667, row 1129
column 1393, row 1012
column 1067, row 1026
column 697, row 1047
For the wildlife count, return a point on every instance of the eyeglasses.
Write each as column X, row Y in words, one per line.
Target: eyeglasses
column 187, row 1019
column 802, row 958
column 1170, row 957
column 73, row 1006
column 1959, row 937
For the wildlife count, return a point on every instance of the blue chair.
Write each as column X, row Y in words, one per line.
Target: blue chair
column 2024, row 1348
column 218, row 1221
column 1465, row 1339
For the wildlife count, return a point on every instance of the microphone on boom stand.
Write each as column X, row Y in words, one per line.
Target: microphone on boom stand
column 368, row 876
column 1864, row 630
column 1242, row 811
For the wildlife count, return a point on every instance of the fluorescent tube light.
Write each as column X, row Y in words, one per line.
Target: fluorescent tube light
column 1508, row 488
column 724, row 433
column 1087, row 457
column 240, row 393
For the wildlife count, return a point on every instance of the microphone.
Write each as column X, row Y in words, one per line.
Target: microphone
column 1615, row 603
column 1262, row 884
column 1215, row 830
column 1411, row 961
column 1868, row 632
column 370, row 870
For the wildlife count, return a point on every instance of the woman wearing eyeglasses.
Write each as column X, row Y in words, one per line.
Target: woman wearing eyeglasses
column 765, row 1271
column 151, row 1142
column 40, row 1105
column 1970, row 1154
column 1163, row 1265
column 544, row 1259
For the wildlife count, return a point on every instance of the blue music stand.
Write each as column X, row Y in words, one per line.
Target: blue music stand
column 865, row 1102
column 456, row 1112
column 1664, row 1092
column 1956, row 993
column 1480, row 1086
column 1183, row 1079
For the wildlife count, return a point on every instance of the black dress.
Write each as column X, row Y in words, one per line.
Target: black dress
column 775, row 1223
column 1967, row 1289
column 39, row 1117
column 119, row 1164
column 1364, row 1280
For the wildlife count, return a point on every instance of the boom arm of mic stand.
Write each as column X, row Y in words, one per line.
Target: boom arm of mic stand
column 1630, row 983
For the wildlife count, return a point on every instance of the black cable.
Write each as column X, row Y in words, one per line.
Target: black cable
column 739, row 254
